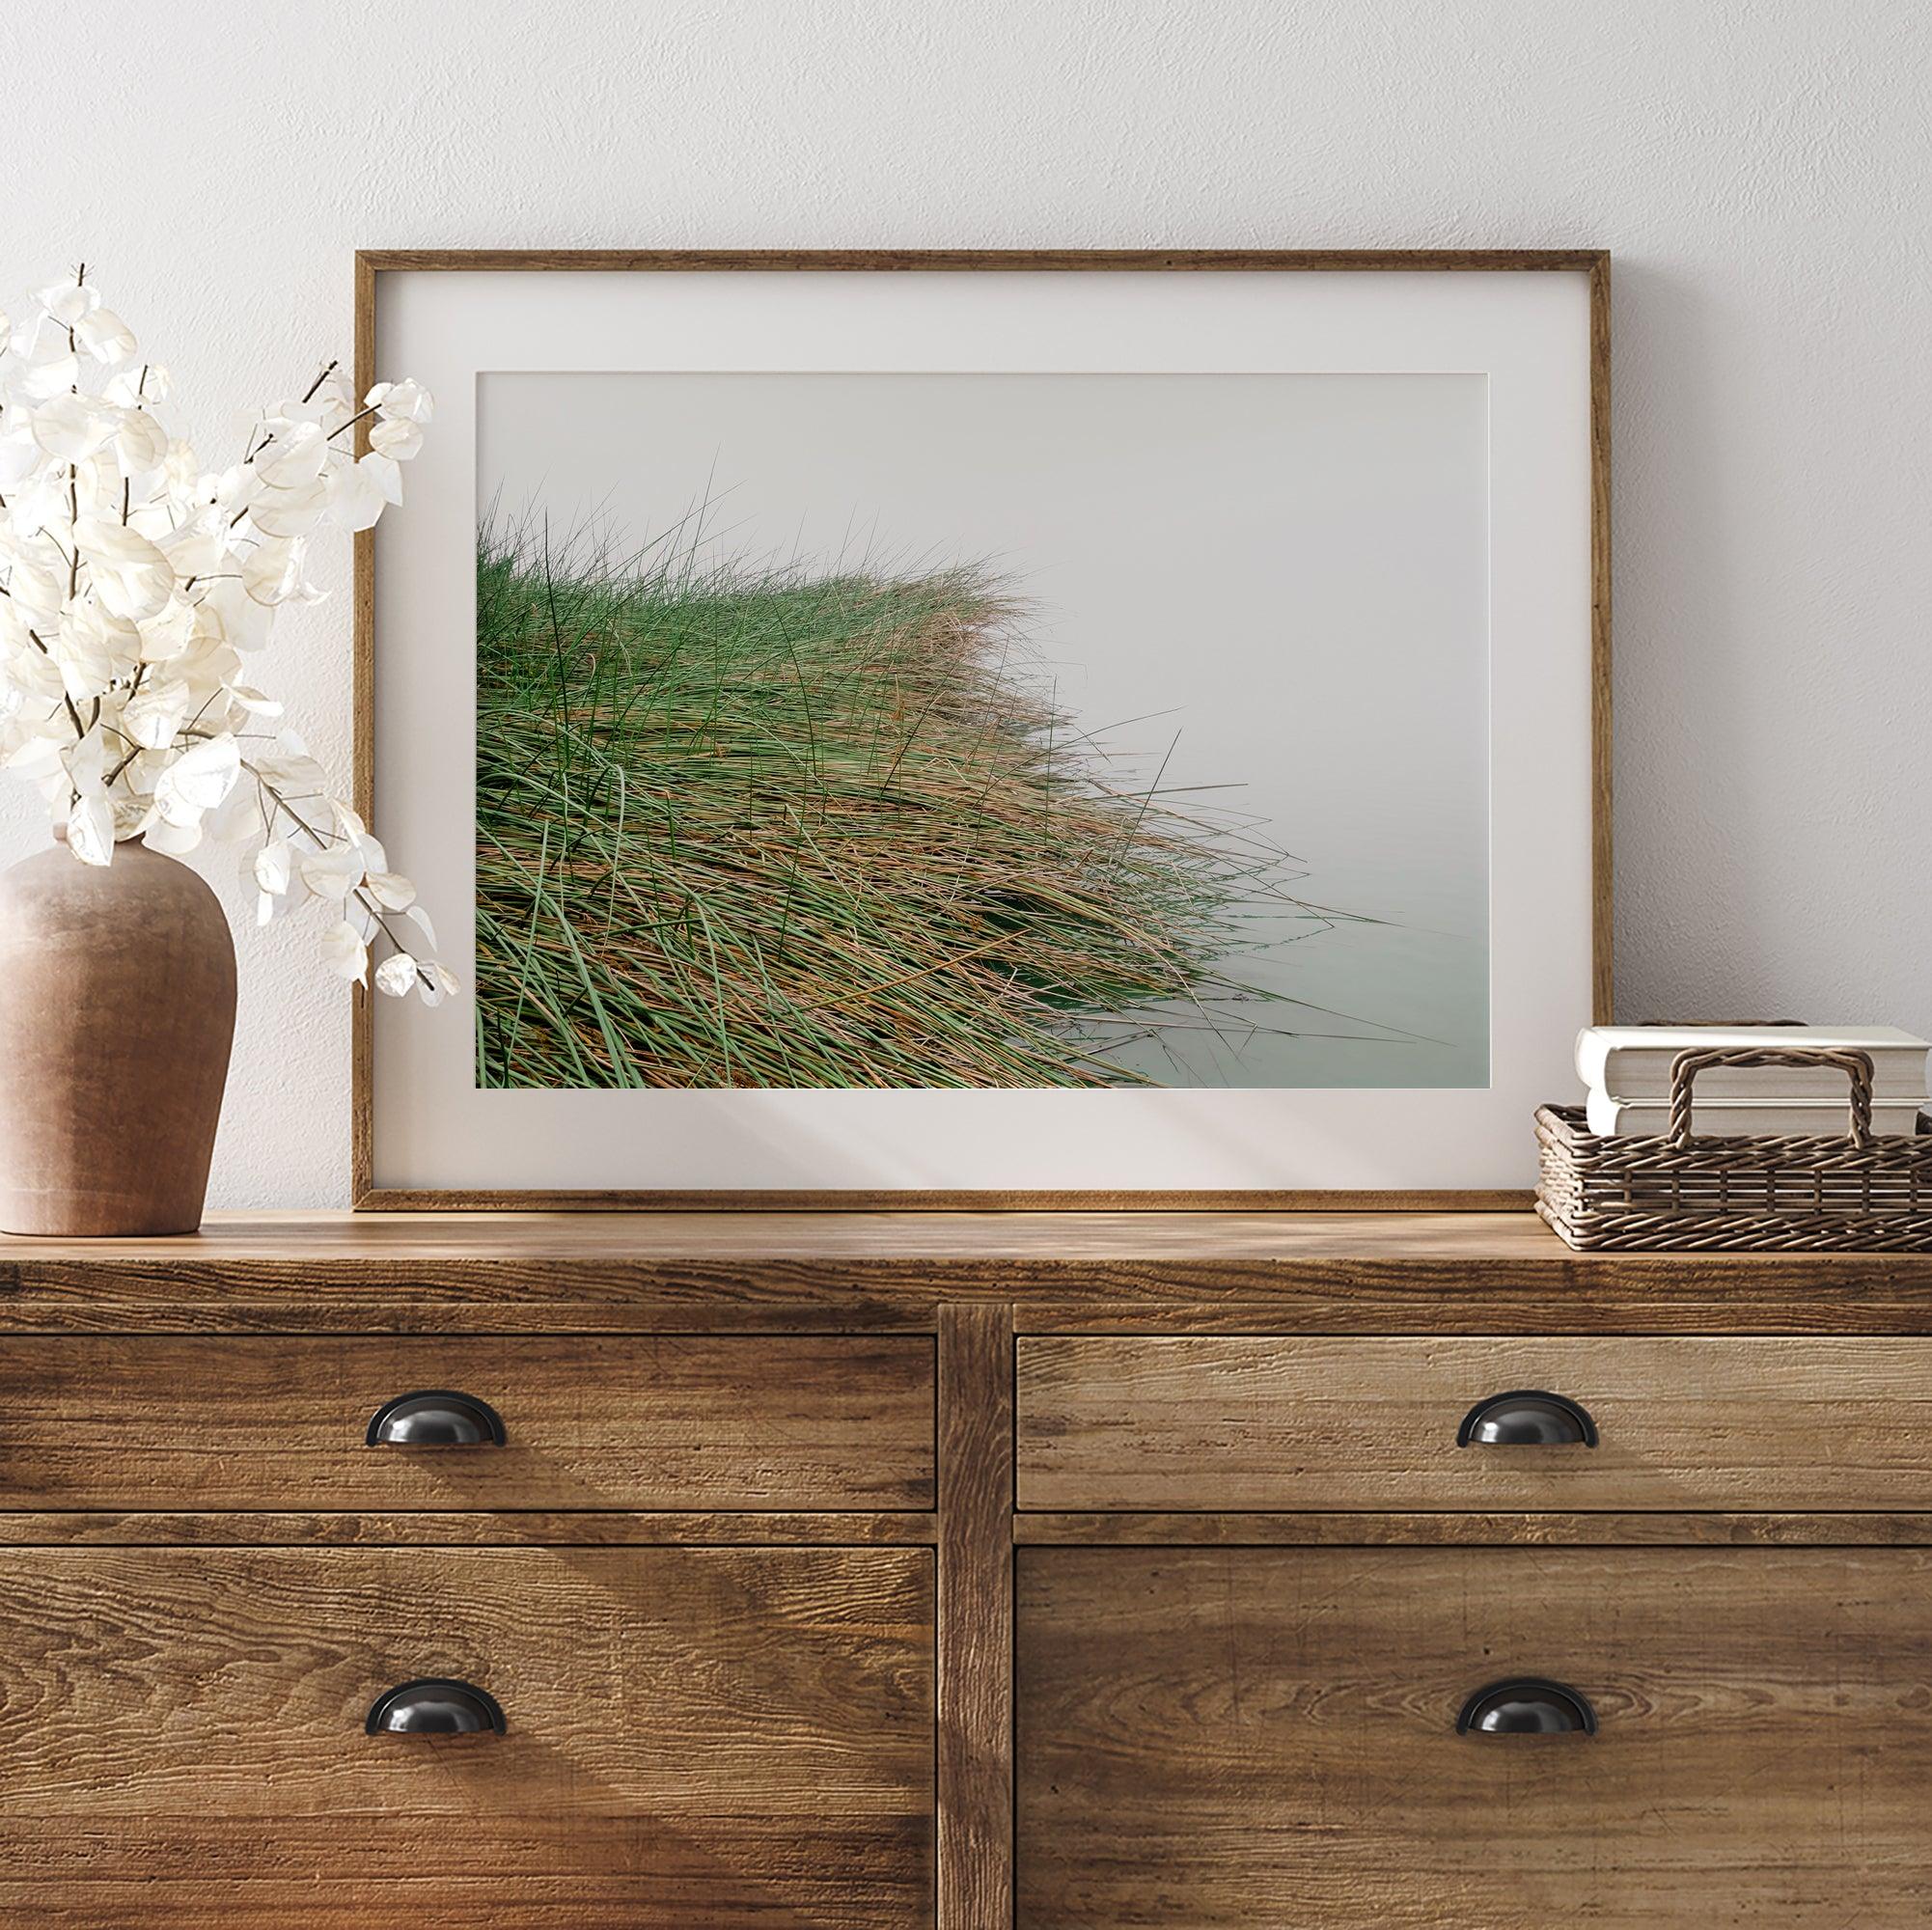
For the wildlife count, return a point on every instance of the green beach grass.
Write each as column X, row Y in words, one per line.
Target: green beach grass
column 754, row 828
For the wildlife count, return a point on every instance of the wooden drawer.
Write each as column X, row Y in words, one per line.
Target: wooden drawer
column 634, row 1421
column 1231, row 1737
column 695, row 1737
column 1344, row 1423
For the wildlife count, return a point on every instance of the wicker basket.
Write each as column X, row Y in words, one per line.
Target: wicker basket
column 1854, row 1192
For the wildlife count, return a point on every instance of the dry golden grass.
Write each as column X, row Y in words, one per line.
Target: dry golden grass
column 815, row 832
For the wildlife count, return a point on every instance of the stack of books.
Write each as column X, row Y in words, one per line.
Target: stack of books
column 1627, row 1069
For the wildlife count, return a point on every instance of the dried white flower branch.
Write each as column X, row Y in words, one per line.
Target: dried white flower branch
column 132, row 582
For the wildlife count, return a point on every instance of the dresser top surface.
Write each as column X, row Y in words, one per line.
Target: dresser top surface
column 1035, row 1238
column 617, row 1272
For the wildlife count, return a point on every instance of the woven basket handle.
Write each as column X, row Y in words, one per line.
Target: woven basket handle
column 1685, row 1067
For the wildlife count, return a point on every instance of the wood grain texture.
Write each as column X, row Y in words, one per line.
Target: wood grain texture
column 1603, row 987
column 1335, row 1273
column 1573, row 1529
column 940, row 260
column 695, row 1737
column 911, row 1199
column 1159, row 1423
column 1216, row 1738
column 638, row 1423
column 1228, row 1717
column 976, row 1618
column 1591, row 263
column 362, row 738
column 541, row 1527
column 247, row 1239
column 467, row 1527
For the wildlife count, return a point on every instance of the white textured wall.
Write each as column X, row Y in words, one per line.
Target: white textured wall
column 1759, row 168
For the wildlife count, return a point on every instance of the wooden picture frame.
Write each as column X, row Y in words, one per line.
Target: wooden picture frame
column 372, row 266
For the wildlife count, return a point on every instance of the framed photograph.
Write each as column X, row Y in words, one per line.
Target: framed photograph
column 989, row 729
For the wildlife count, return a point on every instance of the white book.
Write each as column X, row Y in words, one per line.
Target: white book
column 1634, row 1062
column 1728, row 1119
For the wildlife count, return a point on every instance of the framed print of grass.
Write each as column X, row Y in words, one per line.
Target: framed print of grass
column 993, row 731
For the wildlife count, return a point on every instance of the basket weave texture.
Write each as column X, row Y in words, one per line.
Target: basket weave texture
column 1844, row 1193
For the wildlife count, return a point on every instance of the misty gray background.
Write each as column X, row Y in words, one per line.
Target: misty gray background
column 1283, row 577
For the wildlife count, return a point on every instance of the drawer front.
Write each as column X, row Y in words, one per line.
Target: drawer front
column 1288, row 1423
column 694, row 1737
column 1231, row 1737
column 644, row 1422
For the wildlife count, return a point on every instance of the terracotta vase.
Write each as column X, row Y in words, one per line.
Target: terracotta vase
column 117, row 1011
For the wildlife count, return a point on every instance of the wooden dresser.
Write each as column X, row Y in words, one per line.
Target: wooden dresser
column 1098, row 1572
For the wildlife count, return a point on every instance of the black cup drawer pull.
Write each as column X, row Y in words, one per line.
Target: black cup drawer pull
column 1527, row 1705
column 433, row 1705
column 435, row 1418
column 1526, row 1418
